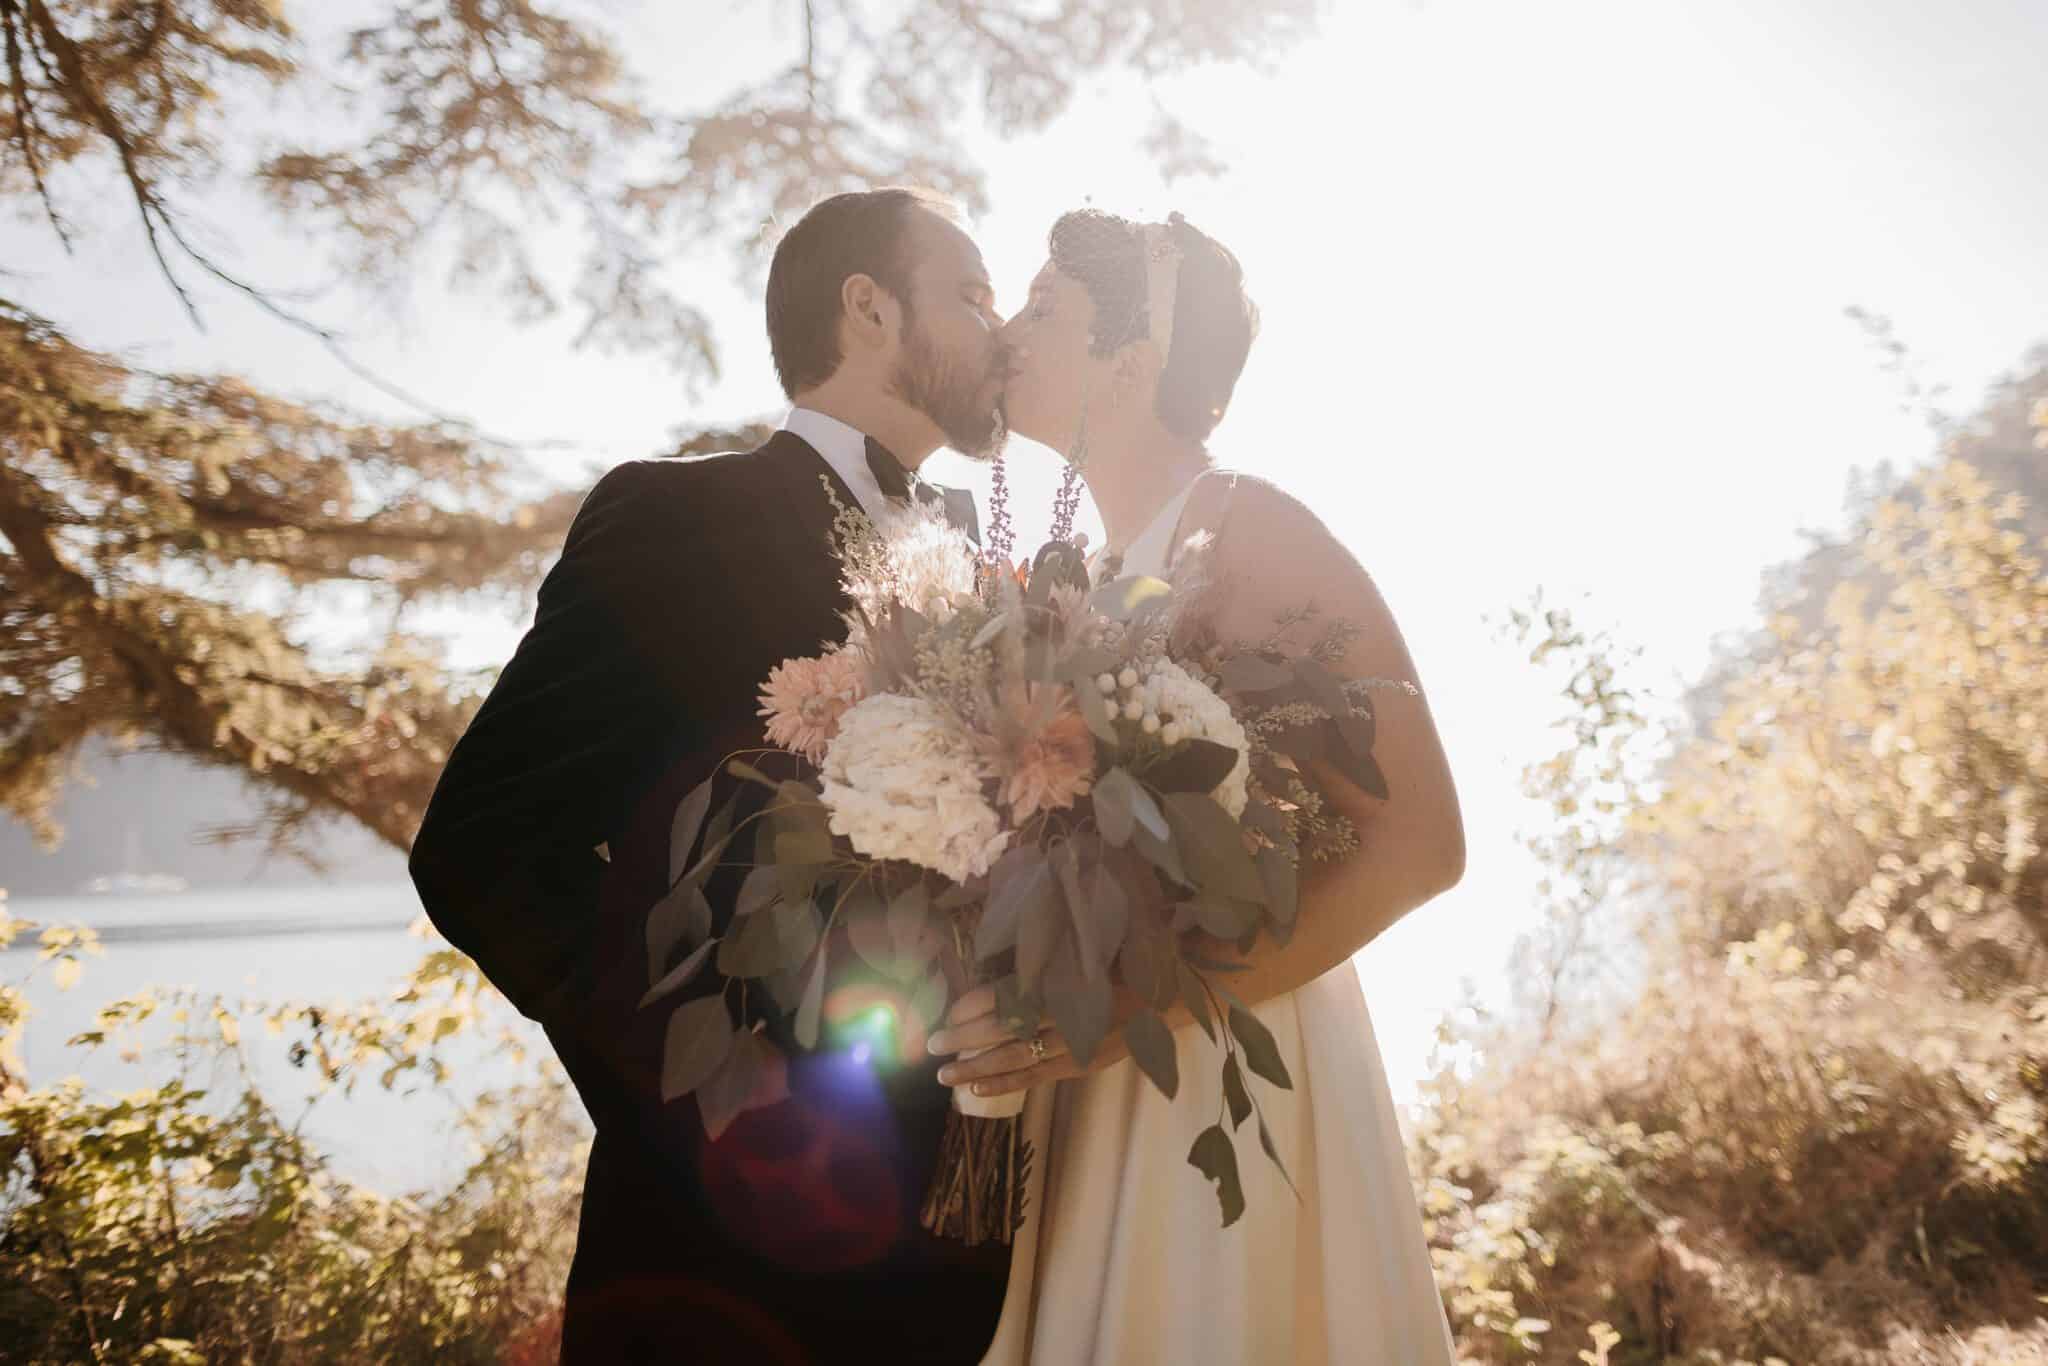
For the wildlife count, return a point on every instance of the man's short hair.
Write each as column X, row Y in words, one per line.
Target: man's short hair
column 863, row 232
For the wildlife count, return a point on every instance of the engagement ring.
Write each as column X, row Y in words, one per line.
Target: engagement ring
column 1038, row 1048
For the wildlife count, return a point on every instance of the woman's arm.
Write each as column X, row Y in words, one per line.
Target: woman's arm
column 1411, row 846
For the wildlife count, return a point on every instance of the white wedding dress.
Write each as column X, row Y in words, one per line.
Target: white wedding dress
column 1121, row 1260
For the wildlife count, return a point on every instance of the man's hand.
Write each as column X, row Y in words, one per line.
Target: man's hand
column 1012, row 1064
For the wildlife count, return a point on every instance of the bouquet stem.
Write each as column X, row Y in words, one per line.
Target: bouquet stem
column 977, row 1192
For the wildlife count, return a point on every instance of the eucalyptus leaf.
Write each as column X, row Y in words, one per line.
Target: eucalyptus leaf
column 1250, row 673
column 1094, row 708
column 1196, row 1000
column 1020, row 878
column 813, row 1002
column 1081, row 1008
column 679, row 976
column 929, row 999
column 1214, row 1158
column 1194, row 766
column 1234, row 1094
column 699, row 1036
column 785, row 988
column 1101, row 918
column 1151, row 1045
column 1040, row 928
column 1267, row 820
column 1121, row 599
column 684, row 827
column 909, row 911
column 1359, row 730
column 683, row 917
column 701, row 871
column 1323, row 688
column 1066, row 866
column 1146, row 968
column 867, row 929
column 1115, row 798
column 760, row 888
column 803, row 846
column 1161, row 852
column 1214, row 844
column 752, row 947
column 1273, row 1151
column 1145, row 811
column 753, row 1076
column 1224, row 917
column 739, row 768
column 1364, row 770
column 1281, row 879
column 719, row 834
column 796, row 928
column 1261, row 1054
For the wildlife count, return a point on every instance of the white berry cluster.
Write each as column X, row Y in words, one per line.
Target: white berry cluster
column 1168, row 702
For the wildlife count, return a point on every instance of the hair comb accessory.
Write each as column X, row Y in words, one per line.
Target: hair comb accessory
column 1162, row 280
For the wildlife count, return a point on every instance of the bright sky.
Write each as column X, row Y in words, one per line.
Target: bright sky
column 1552, row 296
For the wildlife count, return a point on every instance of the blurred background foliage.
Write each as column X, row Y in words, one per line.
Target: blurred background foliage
column 1772, row 1087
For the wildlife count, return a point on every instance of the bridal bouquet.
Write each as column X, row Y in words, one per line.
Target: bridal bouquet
column 1068, row 788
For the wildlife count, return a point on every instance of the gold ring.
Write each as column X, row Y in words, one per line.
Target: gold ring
column 1038, row 1048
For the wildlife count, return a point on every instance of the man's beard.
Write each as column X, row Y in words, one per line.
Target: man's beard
column 951, row 396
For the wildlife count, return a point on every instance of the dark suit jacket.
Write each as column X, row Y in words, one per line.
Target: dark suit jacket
column 794, row 1237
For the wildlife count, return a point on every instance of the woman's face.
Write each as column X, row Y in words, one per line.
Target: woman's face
column 1051, row 365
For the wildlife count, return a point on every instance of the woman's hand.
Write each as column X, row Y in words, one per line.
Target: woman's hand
column 1012, row 1064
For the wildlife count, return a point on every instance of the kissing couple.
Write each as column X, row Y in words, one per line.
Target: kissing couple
column 794, row 1235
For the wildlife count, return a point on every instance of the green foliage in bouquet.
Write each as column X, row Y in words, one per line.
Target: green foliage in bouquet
column 1067, row 788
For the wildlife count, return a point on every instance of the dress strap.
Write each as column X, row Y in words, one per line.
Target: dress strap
column 1178, row 508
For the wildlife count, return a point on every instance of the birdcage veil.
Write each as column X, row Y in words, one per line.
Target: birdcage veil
column 1131, row 271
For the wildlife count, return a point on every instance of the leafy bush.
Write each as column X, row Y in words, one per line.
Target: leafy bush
column 170, row 1225
column 1803, row 1115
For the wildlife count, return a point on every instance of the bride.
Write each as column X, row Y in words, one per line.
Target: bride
column 1125, row 358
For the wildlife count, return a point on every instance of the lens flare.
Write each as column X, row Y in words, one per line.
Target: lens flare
column 874, row 1024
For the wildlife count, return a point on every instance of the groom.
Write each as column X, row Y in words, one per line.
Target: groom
column 793, row 1237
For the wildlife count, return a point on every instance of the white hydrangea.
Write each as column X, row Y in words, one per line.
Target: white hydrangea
column 902, row 781
column 1174, row 695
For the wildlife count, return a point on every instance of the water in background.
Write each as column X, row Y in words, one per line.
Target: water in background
column 349, row 943
column 321, row 945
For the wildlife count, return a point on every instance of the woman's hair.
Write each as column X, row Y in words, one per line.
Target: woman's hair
column 1214, row 320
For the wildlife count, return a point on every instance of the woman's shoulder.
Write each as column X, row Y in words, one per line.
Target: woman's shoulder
column 1255, row 512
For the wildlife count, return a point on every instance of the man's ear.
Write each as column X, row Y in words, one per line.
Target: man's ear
column 868, row 312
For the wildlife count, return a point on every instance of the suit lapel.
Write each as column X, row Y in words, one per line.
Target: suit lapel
column 796, row 469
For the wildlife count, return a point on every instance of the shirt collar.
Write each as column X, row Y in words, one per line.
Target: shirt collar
column 842, row 447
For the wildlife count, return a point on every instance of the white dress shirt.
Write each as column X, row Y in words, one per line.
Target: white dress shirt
column 845, row 449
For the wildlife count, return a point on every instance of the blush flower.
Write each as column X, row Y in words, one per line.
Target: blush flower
column 806, row 697
column 1048, row 752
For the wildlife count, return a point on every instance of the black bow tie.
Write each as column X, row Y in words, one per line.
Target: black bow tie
column 897, row 482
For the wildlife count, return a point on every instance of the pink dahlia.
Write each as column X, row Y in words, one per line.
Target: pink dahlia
column 806, row 697
column 1048, row 751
